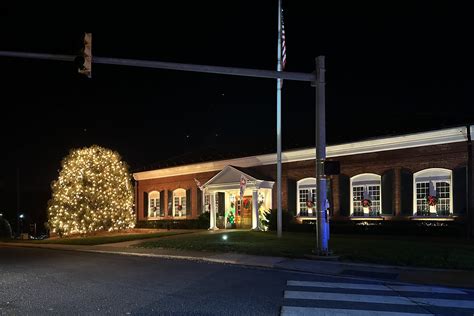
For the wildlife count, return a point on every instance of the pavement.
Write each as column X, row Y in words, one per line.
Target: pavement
column 443, row 277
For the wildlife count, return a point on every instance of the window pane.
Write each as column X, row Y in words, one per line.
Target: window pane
column 304, row 195
column 374, row 196
column 422, row 192
column 442, row 191
column 357, row 196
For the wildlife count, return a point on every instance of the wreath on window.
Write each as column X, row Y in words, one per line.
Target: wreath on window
column 180, row 207
column 366, row 203
column 310, row 204
column 432, row 200
column 246, row 203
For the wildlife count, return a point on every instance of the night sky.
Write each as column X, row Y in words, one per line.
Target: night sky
column 391, row 69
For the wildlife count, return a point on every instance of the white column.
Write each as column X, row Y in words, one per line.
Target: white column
column 255, row 218
column 212, row 221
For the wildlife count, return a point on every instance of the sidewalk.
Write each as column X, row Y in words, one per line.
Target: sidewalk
column 456, row 278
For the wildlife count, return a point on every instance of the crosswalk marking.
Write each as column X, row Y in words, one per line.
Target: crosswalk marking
column 443, row 302
column 376, row 287
column 303, row 311
column 425, row 289
column 404, row 297
column 348, row 297
column 378, row 299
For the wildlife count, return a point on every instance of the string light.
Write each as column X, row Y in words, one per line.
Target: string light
column 93, row 193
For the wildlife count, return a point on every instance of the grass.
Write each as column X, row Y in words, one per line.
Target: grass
column 393, row 250
column 97, row 240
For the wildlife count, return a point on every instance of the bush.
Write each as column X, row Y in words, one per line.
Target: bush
column 5, row 228
column 414, row 228
column 271, row 219
column 202, row 222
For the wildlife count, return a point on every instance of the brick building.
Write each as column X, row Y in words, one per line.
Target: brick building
column 423, row 176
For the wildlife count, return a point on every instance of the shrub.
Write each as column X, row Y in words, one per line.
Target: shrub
column 271, row 219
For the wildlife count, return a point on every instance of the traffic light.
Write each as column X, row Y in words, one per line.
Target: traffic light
column 331, row 167
column 84, row 60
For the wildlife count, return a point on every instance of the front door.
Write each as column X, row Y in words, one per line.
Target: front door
column 243, row 217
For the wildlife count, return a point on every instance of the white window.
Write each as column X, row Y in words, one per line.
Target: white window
column 366, row 195
column 179, row 202
column 434, row 182
column 154, row 204
column 207, row 202
column 306, row 190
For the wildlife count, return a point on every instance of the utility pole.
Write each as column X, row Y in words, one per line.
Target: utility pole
column 322, row 229
column 18, row 200
column 278, row 127
column 245, row 72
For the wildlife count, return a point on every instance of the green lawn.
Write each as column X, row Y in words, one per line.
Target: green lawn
column 404, row 251
column 102, row 239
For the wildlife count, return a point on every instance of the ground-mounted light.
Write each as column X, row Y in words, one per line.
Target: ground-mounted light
column 224, row 237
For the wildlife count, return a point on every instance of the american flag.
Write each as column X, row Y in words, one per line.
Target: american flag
column 283, row 43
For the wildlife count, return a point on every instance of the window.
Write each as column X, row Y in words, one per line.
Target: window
column 434, row 182
column 366, row 187
column 179, row 203
column 207, row 202
column 306, row 191
column 154, row 204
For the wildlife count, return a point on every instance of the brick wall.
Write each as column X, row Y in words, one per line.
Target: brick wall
column 447, row 156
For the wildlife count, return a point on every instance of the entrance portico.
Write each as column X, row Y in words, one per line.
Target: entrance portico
column 221, row 197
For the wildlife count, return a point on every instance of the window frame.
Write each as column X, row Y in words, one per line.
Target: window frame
column 154, row 199
column 180, row 194
column 366, row 180
column 433, row 176
column 304, row 184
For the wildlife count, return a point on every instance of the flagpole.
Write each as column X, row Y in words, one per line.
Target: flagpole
column 278, row 127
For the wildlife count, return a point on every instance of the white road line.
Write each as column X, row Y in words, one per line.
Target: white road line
column 378, row 299
column 426, row 289
column 444, row 302
column 353, row 286
column 376, row 287
column 310, row 311
column 348, row 297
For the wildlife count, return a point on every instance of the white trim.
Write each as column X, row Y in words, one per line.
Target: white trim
column 445, row 136
column 310, row 184
column 434, row 173
column 180, row 193
column 155, row 195
column 358, row 180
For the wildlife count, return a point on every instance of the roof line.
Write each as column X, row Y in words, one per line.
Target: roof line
column 444, row 136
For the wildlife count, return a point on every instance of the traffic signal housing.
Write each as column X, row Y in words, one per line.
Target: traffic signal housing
column 331, row 167
column 84, row 60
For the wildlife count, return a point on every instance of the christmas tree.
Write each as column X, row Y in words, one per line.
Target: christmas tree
column 93, row 193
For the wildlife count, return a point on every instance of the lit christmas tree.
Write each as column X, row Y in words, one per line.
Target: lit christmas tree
column 93, row 193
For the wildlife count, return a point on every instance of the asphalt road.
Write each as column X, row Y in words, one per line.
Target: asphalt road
column 53, row 282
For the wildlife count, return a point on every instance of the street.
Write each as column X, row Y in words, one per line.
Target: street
column 52, row 282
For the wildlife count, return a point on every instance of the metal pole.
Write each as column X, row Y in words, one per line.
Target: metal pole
column 278, row 127
column 18, row 200
column 322, row 223
column 232, row 71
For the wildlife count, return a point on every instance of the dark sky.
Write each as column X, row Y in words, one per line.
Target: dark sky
column 391, row 68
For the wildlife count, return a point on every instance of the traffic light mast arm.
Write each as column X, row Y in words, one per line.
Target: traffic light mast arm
column 246, row 72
